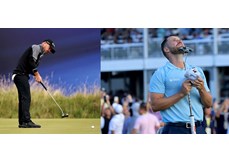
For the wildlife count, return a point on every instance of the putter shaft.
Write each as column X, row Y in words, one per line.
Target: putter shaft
column 56, row 102
column 63, row 115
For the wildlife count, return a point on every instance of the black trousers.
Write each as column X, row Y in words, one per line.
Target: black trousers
column 182, row 128
column 24, row 97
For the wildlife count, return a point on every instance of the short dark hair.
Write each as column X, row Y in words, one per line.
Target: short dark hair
column 143, row 106
column 164, row 42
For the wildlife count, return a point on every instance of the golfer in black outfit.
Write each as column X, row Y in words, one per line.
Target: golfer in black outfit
column 28, row 64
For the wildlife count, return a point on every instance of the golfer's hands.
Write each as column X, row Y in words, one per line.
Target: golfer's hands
column 198, row 83
column 37, row 77
column 186, row 87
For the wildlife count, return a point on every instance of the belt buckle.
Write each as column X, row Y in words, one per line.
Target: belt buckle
column 188, row 125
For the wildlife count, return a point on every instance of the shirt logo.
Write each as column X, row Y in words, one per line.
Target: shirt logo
column 174, row 80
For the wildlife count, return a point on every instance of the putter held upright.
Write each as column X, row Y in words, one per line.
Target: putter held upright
column 63, row 114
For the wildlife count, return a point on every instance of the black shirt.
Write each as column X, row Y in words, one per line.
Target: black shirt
column 29, row 61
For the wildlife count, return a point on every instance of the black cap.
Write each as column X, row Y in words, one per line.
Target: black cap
column 52, row 45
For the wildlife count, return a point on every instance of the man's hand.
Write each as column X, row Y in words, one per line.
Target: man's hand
column 198, row 83
column 186, row 87
column 37, row 77
column 206, row 98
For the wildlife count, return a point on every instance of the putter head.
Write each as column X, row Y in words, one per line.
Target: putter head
column 64, row 115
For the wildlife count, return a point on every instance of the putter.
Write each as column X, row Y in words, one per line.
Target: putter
column 63, row 114
column 191, row 117
column 192, row 120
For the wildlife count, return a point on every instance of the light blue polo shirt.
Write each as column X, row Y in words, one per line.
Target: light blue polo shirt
column 168, row 80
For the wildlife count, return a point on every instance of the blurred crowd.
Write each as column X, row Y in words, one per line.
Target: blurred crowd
column 216, row 119
column 129, row 115
column 135, row 35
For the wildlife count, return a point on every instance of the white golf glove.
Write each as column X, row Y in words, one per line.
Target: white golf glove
column 192, row 74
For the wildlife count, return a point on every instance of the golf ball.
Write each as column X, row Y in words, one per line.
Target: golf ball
column 92, row 126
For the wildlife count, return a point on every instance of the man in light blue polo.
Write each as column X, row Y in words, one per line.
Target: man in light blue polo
column 169, row 89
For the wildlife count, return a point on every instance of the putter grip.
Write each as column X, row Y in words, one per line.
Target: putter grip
column 43, row 86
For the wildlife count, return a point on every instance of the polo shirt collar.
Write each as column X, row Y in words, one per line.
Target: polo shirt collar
column 42, row 49
column 171, row 66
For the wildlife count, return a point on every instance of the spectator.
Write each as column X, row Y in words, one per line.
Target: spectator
column 126, row 113
column 222, row 117
column 105, row 102
column 135, row 35
column 117, row 121
column 106, row 120
column 135, row 114
column 146, row 123
column 116, row 101
column 209, row 121
column 157, row 114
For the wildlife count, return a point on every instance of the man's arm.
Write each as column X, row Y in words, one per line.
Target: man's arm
column 134, row 131
column 159, row 102
column 32, row 61
column 35, row 52
column 136, row 127
column 37, row 77
column 206, row 98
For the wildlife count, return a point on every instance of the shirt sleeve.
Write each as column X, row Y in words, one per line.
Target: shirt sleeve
column 157, row 121
column 137, row 124
column 157, row 84
column 33, row 58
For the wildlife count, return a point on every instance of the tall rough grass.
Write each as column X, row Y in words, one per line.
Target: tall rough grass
column 85, row 103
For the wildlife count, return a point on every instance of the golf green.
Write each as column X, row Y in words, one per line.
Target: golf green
column 52, row 126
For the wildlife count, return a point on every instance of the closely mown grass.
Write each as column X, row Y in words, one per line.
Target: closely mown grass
column 52, row 126
column 85, row 103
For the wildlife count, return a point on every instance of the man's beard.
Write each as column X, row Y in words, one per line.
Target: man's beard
column 175, row 50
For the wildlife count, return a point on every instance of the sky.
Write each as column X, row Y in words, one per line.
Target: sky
column 75, row 63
